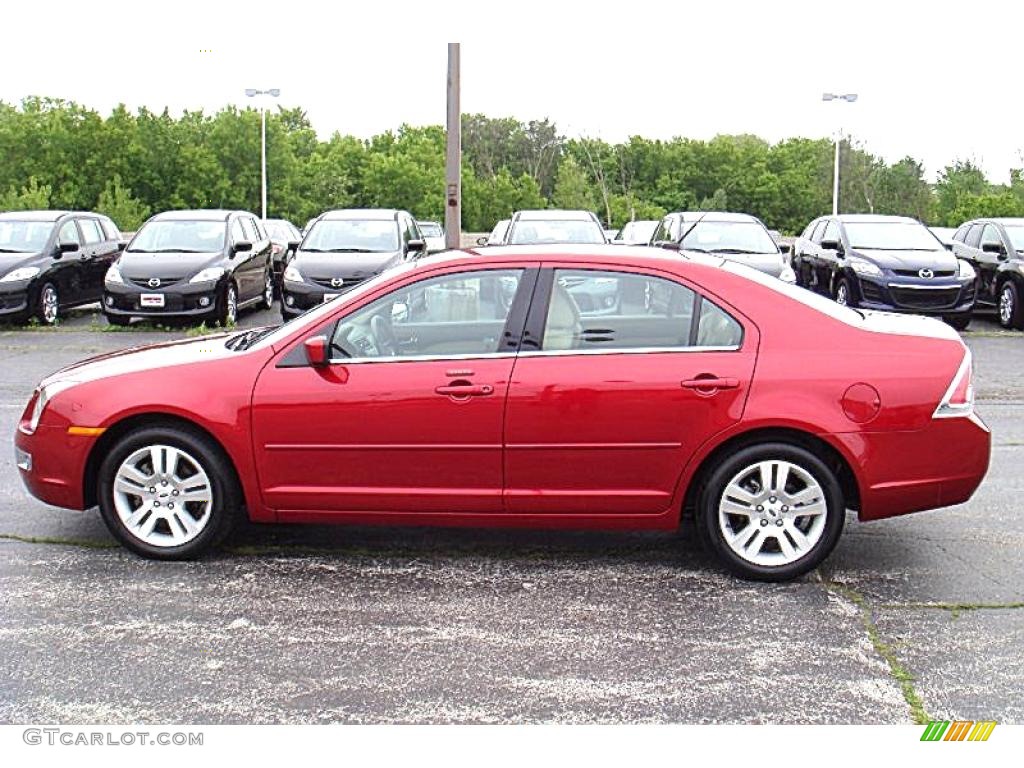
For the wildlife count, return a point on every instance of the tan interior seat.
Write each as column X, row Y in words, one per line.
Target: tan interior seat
column 563, row 326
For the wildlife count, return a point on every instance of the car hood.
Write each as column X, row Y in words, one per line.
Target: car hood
column 937, row 259
column 11, row 261
column 347, row 265
column 769, row 263
column 166, row 355
column 165, row 265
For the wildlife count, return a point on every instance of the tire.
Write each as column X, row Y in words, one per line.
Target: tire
column 959, row 322
column 48, row 304
column 842, row 294
column 734, row 485
column 212, row 514
column 118, row 320
column 227, row 307
column 268, row 291
column 1011, row 313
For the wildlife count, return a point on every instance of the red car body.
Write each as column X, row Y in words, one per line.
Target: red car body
column 613, row 440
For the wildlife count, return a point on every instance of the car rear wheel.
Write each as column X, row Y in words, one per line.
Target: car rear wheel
column 771, row 512
column 168, row 493
column 48, row 306
column 1011, row 313
column 842, row 294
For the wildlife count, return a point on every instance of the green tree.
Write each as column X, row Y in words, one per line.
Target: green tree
column 117, row 202
column 573, row 188
column 31, row 197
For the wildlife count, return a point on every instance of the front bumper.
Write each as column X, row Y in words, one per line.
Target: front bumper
column 180, row 300
column 903, row 472
column 893, row 294
column 13, row 301
column 50, row 462
column 297, row 298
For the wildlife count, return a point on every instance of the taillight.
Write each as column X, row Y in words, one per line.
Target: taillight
column 959, row 398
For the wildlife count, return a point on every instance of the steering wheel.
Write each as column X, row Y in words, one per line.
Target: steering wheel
column 383, row 336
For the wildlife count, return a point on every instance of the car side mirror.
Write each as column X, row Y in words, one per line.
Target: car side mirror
column 417, row 246
column 241, row 245
column 829, row 245
column 948, row 246
column 65, row 246
column 785, row 248
column 668, row 245
column 121, row 246
column 996, row 248
column 316, row 351
column 293, row 246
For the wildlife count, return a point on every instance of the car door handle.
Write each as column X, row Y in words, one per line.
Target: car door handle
column 710, row 382
column 465, row 390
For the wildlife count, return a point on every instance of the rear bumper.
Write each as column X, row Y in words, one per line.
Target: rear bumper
column 904, row 472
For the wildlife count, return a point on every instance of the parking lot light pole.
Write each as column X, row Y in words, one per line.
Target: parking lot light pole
column 848, row 97
column 453, row 154
column 252, row 92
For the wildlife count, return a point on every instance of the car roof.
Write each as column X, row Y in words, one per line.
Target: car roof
column 200, row 214
column 714, row 216
column 1013, row 221
column 555, row 214
column 428, row 221
column 870, row 218
column 581, row 252
column 41, row 215
column 361, row 214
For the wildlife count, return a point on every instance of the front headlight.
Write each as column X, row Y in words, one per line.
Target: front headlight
column 787, row 275
column 964, row 270
column 292, row 274
column 862, row 267
column 45, row 394
column 208, row 275
column 114, row 275
column 22, row 273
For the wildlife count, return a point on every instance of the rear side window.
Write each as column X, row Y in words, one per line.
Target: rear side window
column 830, row 233
column 974, row 235
column 91, row 231
column 249, row 227
column 961, row 234
column 596, row 310
column 110, row 230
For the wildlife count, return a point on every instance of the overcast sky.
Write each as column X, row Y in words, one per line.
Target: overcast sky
column 936, row 81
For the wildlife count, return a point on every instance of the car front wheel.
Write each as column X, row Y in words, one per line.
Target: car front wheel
column 48, row 308
column 771, row 512
column 227, row 307
column 167, row 493
column 1011, row 314
column 842, row 294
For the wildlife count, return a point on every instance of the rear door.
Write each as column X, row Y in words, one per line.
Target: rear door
column 623, row 374
column 97, row 254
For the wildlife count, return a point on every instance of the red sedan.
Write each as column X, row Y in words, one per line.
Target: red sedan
column 548, row 387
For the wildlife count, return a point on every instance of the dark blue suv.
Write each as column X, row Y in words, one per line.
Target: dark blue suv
column 889, row 263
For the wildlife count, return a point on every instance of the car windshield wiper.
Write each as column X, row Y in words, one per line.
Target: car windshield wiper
column 248, row 338
column 353, row 250
column 734, row 250
column 12, row 250
column 176, row 250
column 692, row 248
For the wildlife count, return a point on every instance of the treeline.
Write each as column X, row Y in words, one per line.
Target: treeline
column 59, row 154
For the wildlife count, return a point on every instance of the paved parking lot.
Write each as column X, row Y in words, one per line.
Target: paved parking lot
column 913, row 617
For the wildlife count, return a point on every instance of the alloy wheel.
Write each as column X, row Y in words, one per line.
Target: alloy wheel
column 842, row 295
column 772, row 513
column 49, row 304
column 163, row 496
column 1006, row 307
column 231, row 306
column 268, row 291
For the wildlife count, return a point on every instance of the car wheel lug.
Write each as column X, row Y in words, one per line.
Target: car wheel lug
column 152, row 490
column 764, row 522
column 156, row 503
column 778, row 523
column 785, row 508
column 772, row 499
column 760, row 507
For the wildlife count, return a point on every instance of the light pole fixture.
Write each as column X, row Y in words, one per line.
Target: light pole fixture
column 850, row 98
column 252, row 92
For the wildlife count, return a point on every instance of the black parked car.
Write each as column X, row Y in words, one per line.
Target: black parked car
column 890, row 263
column 995, row 248
column 281, row 232
column 205, row 265
column 342, row 249
column 53, row 260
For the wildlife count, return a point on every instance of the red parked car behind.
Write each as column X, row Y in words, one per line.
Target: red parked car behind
column 584, row 387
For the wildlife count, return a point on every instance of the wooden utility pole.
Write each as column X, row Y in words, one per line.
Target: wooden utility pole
column 453, row 157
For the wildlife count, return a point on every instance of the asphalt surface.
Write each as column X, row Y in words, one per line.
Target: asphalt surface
column 912, row 617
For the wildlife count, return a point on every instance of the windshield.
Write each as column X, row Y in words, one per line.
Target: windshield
column 180, row 237
column 24, row 236
column 729, row 237
column 430, row 229
column 534, row 231
column 891, row 236
column 352, row 236
column 279, row 231
column 1016, row 237
column 637, row 231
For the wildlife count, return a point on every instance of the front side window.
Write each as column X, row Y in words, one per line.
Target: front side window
column 831, row 232
column 990, row 236
column 69, row 233
column 453, row 315
column 597, row 310
column 91, row 230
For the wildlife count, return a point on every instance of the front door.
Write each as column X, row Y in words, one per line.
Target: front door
column 634, row 372
column 408, row 417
